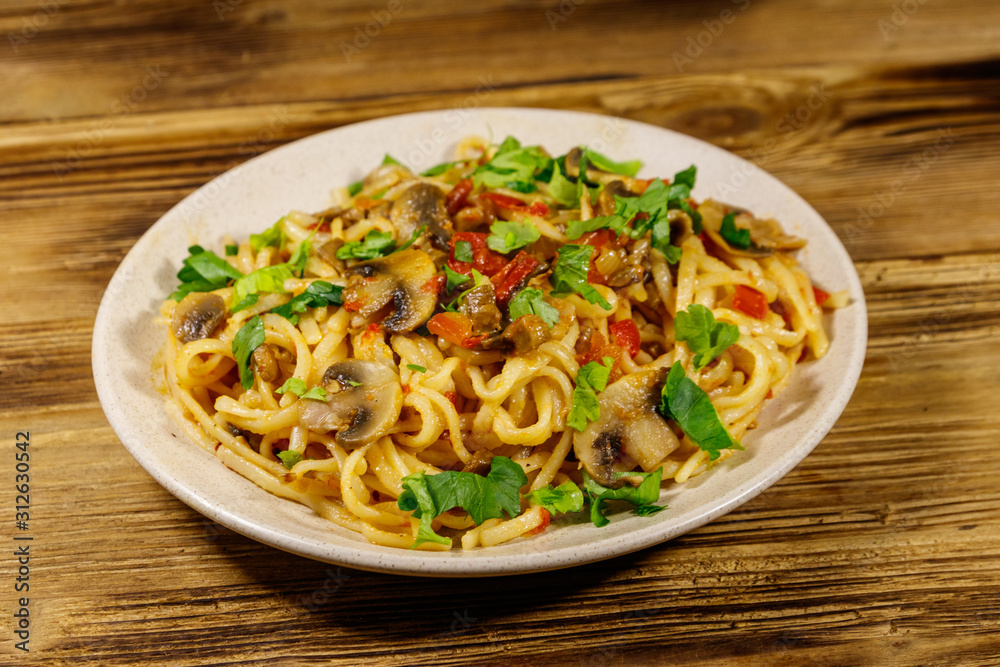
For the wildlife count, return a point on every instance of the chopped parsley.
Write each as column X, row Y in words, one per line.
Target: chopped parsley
column 298, row 387
column 417, row 368
column 630, row 168
column 247, row 339
column 642, row 496
column 319, row 293
column 388, row 159
column 454, row 279
column 272, row 236
column 570, row 274
column 268, row 279
column 592, row 378
column 563, row 190
column 354, row 188
column 704, row 336
column 512, row 166
column 375, row 244
column 203, row 271
column 289, row 458
column 463, row 251
column 477, row 280
column 532, row 301
column 232, row 250
column 490, row 497
column 737, row 237
column 691, row 408
column 567, row 497
column 506, row 237
column 245, row 302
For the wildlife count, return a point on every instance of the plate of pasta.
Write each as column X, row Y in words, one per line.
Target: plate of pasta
column 479, row 342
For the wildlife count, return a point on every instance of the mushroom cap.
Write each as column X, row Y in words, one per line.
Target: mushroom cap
column 419, row 205
column 363, row 402
column 400, row 278
column 197, row 316
column 629, row 431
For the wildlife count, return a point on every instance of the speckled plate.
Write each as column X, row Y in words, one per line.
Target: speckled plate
column 299, row 176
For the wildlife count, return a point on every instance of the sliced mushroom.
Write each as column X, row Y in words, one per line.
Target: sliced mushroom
column 265, row 363
column 527, row 333
column 481, row 306
column 629, row 432
column 606, row 201
column 328, row 253
column 400, row 279
column 480, row 463
column 197, row 316
column 423, row 204
column 766, row 236
column 363, row 402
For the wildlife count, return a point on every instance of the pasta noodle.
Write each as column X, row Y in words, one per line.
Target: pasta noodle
column 369, row 363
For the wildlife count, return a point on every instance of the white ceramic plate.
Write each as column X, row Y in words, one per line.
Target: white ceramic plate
column 299, row 176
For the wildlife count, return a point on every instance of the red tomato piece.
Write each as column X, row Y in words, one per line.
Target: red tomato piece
column 434, row 285
column 626, row 334
column 458, row 196
column 750, row 302
column 821, row 295
column 509, row 203
column 546, row 519
column 456, row 328
column 484, row 260
column 513, row 274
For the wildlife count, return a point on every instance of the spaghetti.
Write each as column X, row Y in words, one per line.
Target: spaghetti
column 549, row 331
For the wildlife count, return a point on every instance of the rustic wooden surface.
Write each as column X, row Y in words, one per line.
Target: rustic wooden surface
column 882, row 547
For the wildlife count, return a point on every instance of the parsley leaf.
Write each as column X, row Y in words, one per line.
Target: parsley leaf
column 642, row 496
column 564, row 498
column 661, row 241
column 298, row 387
column 203, row 271
column 630, row 168
column 690, row 407
column 354, row 188
column 512, row 167
column 477, row 280
column 454, row 279
column 375, row 244
column 268, row 279
column 592, row 378
column 417, row 368
column 232, row 250
column 737, row 237
column 429, row 496
column 319, row 293
column 570, row 274
column 463, row 251
column 289, row 458
column 273, row 236
column 439, row 169
column 507, row 237
column 561, row 188
column 413, row 238
column 245, row 302
column 247, row 339
column 704, row 336
column 532, row 301
column 388, row 159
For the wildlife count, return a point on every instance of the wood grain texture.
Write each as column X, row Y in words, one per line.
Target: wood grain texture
column 882, row 547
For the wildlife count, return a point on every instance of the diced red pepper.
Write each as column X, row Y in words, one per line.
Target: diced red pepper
column 456, row 328
column 434, row 285
column 626, row 334
column 458, row 196
column 821, row 295
column 751, row 302
column 484, row 260
column 509, row 203
column 506, row 281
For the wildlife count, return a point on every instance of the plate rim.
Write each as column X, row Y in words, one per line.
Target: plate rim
column 456, row 563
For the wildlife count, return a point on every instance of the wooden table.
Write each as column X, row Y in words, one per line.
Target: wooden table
column 882, row 547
